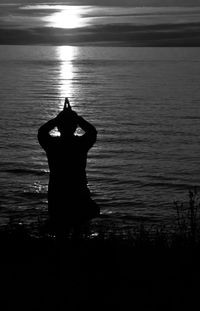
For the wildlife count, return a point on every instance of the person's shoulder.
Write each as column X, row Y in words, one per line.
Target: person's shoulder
column 52, row 142
column 78, row 138
column 84, row 141
column 55, row 139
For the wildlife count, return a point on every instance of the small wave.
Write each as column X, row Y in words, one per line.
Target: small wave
column 33, row 195
column 160, row 178
column 168, row 185
column 190, row 118
column 22, row 171
column 139, row 218
column 162, row 183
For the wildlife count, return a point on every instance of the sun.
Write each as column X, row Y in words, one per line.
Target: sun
column 70, row 17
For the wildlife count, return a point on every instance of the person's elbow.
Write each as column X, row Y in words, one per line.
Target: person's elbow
column 94, row 135
column 94, row 132
column 39, row 134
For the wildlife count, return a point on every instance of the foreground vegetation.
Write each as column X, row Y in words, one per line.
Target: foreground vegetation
column 185, row 231
column 142, row 269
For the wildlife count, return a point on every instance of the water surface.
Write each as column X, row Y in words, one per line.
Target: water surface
column 144, row 103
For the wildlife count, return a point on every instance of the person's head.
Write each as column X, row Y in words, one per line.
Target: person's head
column 67, row 122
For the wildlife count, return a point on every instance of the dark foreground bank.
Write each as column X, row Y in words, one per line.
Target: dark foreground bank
column 97, row 274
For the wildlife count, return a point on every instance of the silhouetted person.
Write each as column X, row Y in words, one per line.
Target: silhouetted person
column 69, row 200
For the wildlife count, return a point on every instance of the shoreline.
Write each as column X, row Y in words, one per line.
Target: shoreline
column 97, row 273
column 141, row 269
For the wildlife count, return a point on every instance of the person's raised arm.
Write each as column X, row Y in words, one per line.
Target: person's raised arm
column 44, row 132
column 90, row 131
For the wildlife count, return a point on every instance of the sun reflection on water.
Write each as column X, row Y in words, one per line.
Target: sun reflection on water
column 66, row 73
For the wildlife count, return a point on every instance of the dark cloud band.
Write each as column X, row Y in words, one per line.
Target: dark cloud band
column 185, row 34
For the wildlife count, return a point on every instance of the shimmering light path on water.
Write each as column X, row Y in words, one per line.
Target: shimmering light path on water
column 145, row 105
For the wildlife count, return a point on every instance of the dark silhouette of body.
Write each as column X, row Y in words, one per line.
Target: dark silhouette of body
column 69, row 200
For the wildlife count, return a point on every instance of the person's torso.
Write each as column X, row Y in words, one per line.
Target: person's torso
column 67, row 162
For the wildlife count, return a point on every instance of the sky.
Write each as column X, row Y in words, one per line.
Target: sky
column 101, row 22
column 113, row 2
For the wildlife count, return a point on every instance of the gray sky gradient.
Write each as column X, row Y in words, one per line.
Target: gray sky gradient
column 113, row 2
column 102, row 25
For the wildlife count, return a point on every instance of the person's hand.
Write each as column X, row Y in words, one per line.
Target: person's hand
column 67, row 104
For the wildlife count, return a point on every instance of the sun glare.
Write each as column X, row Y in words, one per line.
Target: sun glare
column 70, row 17
column 66, row 56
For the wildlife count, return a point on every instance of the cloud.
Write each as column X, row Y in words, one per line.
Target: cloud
column 108, row 35
column 123, row 3
column 113, row 26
